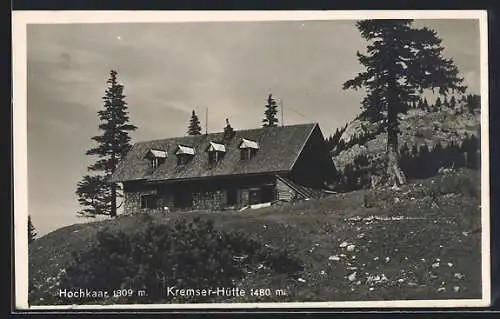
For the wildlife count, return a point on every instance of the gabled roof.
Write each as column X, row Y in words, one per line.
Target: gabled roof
column 157, row 153
column 279, row 148
column 245, row 143
column 215, row 146
column 182, row 149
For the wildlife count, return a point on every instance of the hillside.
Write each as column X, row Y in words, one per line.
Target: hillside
column 417, row 127
column 419, row 242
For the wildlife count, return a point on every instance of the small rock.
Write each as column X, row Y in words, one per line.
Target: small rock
column 371, row 288
column 375, row 258
column 440, row 289
column 322, row 272
column 352, row 276
column 335, row 258
column 456, row 289
column 435, row 265
column 450, row 265
column 343, row 244
column 350, row 248
column 458, row 275
column 301, row 280
column 387, row 259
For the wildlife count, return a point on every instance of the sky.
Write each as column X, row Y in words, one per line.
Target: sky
column 170, row 69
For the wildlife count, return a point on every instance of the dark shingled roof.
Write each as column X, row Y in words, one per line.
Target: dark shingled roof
column 279, row 149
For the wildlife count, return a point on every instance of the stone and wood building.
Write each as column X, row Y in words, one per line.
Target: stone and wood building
column 215, row 171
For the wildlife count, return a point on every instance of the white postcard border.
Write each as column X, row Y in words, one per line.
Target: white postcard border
column 20, row 19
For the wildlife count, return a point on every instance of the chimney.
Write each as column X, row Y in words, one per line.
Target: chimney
column 228, row 131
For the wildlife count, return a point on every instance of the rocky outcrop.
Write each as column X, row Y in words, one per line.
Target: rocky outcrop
column 417, row 127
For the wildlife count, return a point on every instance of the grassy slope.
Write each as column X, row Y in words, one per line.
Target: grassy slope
column 391, row 258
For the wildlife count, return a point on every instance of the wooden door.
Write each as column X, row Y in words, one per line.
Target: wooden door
column 244, row 200
column 254, row 196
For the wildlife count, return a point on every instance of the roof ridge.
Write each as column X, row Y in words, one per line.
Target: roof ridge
column 216, row 133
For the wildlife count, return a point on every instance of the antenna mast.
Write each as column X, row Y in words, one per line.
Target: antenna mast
column 206, row 120
column 282, row 121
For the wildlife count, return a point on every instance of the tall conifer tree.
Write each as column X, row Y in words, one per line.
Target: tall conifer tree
column 270, row 113
column 194, row 127
column 401, row 62
column 96, row 194
column 31, row 231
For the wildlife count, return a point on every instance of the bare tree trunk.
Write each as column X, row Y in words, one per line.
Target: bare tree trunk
column 394, row 172
column 113, row 189
column 113, row 200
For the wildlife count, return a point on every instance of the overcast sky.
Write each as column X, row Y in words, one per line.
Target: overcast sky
column 170, row 69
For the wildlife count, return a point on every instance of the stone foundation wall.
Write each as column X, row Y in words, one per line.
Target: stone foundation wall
column 210, row 200
column 132, row 202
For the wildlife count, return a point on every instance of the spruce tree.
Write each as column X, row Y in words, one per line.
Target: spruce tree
column 401, row 62
column 426, row 105
column 31, row 231
column 270, row 113
column 420, row 104
column 96, row 194
column 446, row 103
column 453, row 102
column 194, row 127
column 438, row 103
column 473, row 102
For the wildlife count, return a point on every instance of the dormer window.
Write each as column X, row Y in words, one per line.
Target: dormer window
column 216, row 152
column 184, row 154
column 248, row 148
column 156, row 157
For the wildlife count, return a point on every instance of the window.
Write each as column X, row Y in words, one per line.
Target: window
column 156, row 157
column 183, row 159
column 214, row 157
column 216, row 152
column 248, row 149
column 247, row 153
column 157, row 161
column 184, row 154
column 149, row 201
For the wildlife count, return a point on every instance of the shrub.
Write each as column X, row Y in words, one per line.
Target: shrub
column 466, row 185
column 185, row 254
column 455, row 183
